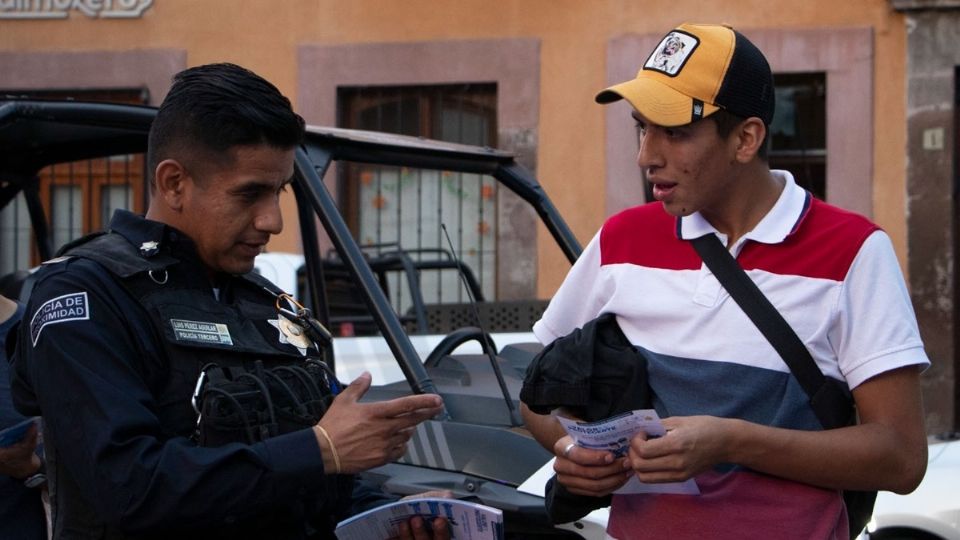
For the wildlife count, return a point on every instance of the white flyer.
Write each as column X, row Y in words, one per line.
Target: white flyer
column 614, row 434
column 467, row 520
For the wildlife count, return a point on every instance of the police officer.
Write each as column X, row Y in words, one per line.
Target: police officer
column 118, row 330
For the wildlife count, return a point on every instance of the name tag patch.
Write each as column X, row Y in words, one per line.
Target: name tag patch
column 201, row 332
column 69, row 307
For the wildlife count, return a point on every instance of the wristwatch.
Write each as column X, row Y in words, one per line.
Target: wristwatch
column 38, row 478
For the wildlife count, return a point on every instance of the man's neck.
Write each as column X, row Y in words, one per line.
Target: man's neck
column 759, row 193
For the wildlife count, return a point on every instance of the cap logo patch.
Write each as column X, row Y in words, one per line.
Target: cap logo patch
column 670, row 56
column 69, row 307
column 697, row 112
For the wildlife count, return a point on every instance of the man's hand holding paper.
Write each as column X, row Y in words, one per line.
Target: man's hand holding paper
column 619, row 454
column 585, row 471
column 693, row 445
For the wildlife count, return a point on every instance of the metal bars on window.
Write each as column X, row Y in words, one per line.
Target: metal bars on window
column 398, row 212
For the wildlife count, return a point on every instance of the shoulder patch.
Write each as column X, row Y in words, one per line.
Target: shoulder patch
column 69, row 307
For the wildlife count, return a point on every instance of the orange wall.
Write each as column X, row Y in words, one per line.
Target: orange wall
column 264, row 34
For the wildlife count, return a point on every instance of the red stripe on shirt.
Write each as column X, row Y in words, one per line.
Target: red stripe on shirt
column 823, row 244
column 646, row 236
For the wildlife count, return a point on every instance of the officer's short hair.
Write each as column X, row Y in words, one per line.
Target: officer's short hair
column 215, row 107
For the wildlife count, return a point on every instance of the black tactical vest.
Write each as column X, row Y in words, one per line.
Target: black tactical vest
column 196, row 329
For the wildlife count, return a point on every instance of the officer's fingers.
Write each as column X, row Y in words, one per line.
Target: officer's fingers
column 441, row 529
column 356, row 389
column 409, row 405
column 403, row 530
column 414, row 529
column 405, row 423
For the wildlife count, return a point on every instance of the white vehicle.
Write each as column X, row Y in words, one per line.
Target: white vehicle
column 932, row 511
column 356, row 354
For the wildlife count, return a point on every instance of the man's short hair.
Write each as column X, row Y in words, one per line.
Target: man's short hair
column 726, row 122
column 213, row 108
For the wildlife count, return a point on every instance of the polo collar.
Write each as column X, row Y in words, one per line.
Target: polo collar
column 782, row 219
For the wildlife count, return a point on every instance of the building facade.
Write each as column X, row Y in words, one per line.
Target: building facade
column 866, row 93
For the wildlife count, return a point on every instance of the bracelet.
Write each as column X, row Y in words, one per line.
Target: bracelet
column 333, row 449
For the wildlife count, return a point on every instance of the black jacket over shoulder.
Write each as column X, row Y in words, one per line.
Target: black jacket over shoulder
column 594, row 373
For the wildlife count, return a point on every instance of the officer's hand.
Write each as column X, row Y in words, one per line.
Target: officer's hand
column 19, row 460
column 417, row 529
column 583, row 471
column 367, row 435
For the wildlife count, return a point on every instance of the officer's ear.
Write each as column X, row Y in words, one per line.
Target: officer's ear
column 171, row 178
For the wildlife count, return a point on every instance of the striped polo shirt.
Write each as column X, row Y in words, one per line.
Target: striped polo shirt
column 834, row 277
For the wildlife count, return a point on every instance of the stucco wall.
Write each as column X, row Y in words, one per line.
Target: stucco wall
column 576, row 146
column 574, row 36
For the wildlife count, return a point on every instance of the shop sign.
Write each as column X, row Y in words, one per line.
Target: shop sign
column 61, row 9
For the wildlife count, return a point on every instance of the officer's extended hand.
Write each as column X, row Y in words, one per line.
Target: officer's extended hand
column 588, row 472
column 367, row 435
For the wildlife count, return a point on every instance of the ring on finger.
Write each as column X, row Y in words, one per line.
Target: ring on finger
column 567, row 449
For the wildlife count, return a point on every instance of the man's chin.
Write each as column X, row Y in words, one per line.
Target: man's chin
column 677, row 210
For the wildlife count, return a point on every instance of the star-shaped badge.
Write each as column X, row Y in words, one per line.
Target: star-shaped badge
column 149, row 249
column 291, row 333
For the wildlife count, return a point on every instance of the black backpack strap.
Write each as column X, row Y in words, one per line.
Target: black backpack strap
column 831, row 404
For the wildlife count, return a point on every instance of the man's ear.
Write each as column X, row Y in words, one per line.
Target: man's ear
column 170, row 179
column 750, row 135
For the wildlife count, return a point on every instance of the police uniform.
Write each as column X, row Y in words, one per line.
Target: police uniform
column 115, row 336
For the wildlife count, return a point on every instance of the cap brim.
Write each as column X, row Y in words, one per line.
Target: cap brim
column 655, row 101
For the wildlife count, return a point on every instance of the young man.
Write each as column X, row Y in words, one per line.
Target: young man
column 737, row 421
column 118, row 330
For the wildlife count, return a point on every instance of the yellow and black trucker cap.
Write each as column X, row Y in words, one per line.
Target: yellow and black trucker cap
column 696, row 70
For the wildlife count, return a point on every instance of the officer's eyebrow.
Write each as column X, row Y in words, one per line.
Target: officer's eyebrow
column 257, row 186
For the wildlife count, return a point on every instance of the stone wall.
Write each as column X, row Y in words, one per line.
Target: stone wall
column 932, row 60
